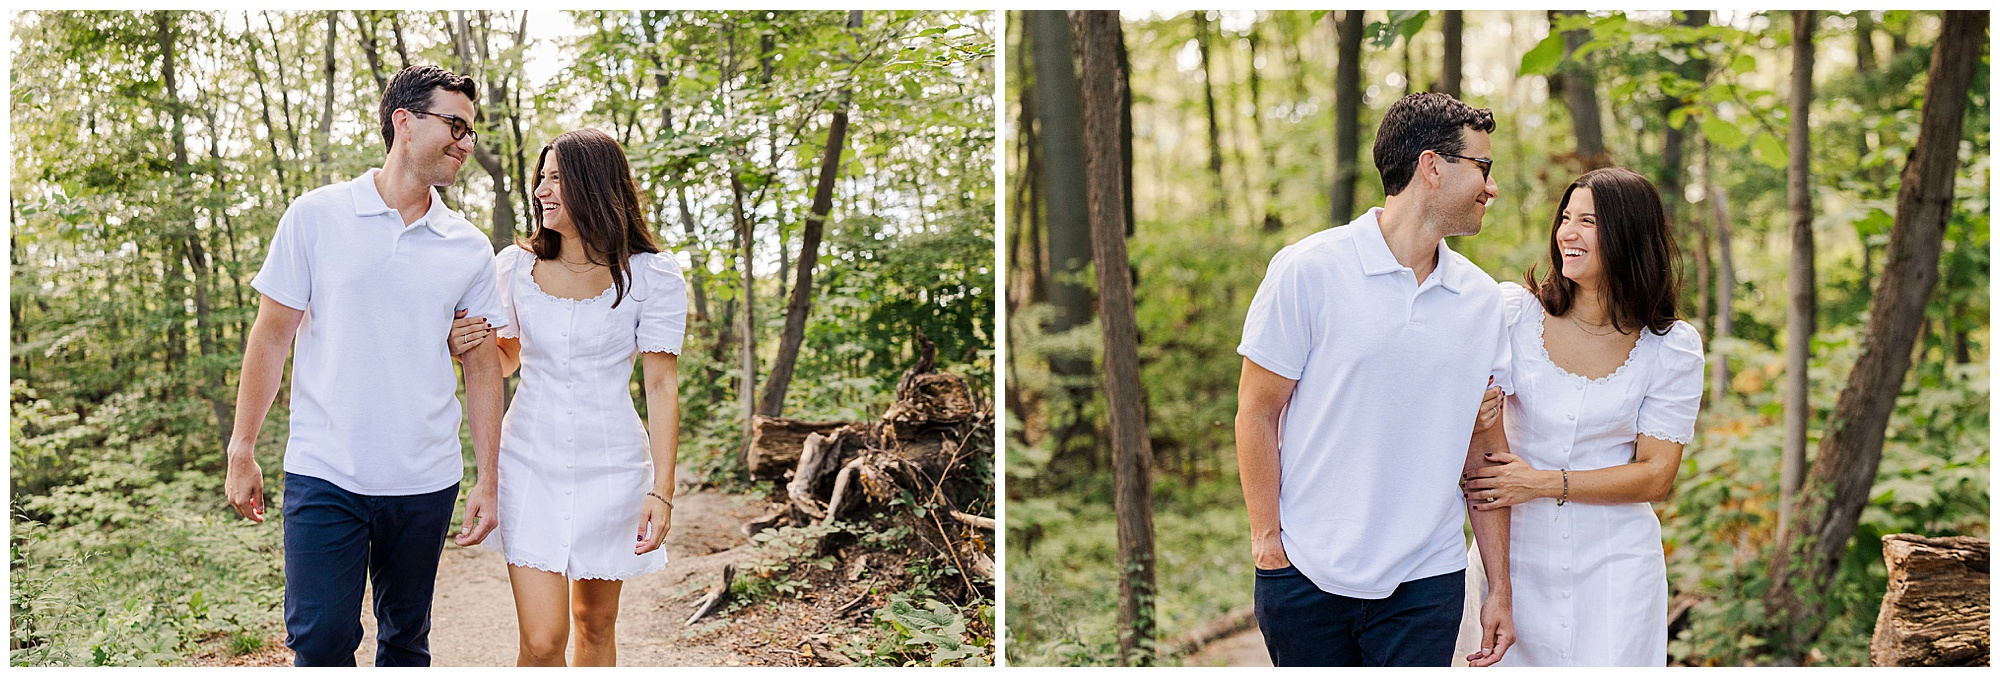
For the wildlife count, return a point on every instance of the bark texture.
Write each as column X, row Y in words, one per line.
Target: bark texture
column 1937, row 611
column 1132, row 457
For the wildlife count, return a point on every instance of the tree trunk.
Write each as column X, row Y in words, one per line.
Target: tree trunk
column 396, row 28
column 284, row 90
column 1673, row 179
column 1451, row 74
column 1864, row 43
column 1799, row 324
column 264, row 99
column 1027, row 202
column 323, row 142
column 1579, row 93
column 800, row 303
column 1346, row 113
column 1850, row 451
column 1272, row 222
column 1103, row 94
column 1214, row 127
column 364, row 23
column 1066, row 204
column 1937, row 610
column 746, row 241
column 1725, row 275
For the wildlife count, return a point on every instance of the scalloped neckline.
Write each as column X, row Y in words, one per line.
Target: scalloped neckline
column 537, row 285
column 1542, row 343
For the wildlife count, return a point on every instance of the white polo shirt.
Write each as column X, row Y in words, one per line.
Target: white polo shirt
column 374, row 397
column 1390, row 373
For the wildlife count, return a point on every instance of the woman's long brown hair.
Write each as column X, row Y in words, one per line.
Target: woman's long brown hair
column 602, row 201
column 1641, row 283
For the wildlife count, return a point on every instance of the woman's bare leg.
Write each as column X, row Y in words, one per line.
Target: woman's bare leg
column 594, row 607
column 541, row 601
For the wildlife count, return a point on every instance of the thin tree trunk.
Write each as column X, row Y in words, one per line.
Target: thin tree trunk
column 364, row 22
column 284, row 90
column 1346, row 114
column 1272, row 222
column 322, row 144
column 1452, row 73
column 746, row 243
column 1864, row 43
column 1725, row 275
column 396, row 28
column 1214, row 127
column 1066, row 204
column 800, row 303
column 1132, row 466
column 1580, row 96
column 1799, row 325
column 264, row 99
column 1027, row 203
column 1850, row 452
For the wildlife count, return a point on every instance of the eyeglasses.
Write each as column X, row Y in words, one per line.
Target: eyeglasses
column 459, row 127
column 1485, row 164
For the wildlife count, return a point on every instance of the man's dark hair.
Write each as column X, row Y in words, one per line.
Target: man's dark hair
column 412, row 88
column 1420, row 122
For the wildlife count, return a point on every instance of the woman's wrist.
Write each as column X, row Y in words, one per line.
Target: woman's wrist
column 1550, row 484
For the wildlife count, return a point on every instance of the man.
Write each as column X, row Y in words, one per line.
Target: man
column 367, row 275
column 1366, row 352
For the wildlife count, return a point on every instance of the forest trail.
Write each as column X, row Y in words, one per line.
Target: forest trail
column 1244, row 648
column 473, row 620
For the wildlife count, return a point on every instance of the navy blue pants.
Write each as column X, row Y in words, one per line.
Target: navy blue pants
column 335, row 542
column 1417, row 625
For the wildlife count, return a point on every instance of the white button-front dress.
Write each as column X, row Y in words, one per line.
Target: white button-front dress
column 575, row 464
column 1590, row 583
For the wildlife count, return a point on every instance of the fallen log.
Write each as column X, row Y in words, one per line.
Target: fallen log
column 1937, row 611
column 812, row 462
column 775, row 443
column 1238, row 620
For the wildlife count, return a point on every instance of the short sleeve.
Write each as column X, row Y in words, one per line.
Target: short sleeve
column 1673, row 397
column 287, row 273
column 1513, row 297
column 506, row 265
column 483, row 299
column 663, row 309
column 1282, row 326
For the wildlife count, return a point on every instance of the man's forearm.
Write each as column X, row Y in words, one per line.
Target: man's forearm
column 484, row 390
column 1257, row 468
column 1490, row 528
column 257, row 383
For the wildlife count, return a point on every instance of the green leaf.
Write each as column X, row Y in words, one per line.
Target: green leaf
column 1678, row 117
column 1543, row 58
column 1743, row 63
column 1771, row 151
column 1722, row 132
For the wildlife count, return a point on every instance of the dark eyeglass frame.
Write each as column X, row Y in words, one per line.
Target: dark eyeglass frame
column 460, row 127
column 1485, row 164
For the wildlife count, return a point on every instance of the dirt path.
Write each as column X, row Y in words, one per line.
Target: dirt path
column 473, row 618
column 1245, row 648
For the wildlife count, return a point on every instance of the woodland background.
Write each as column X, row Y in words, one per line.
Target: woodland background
column 154, row 152
column 1245, row 131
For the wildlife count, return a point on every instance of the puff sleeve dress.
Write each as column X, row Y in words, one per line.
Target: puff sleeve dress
column 1590, row 583
column 575, row 464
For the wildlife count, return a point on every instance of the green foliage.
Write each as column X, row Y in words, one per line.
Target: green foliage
column 1721, row 524
column 933, row 634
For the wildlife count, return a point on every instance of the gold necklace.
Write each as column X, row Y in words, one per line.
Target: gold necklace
column 1584, row 326
column 587, row 265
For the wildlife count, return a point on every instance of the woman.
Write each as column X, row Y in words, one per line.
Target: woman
column 1607, row 383
column 586, row 489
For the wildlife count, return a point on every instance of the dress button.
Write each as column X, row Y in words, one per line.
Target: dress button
column 1565, row 567
column 1565, row 624
column 565, row 333
column 566, row 519
column 566, row 492
column 1565, row 535
column 1572, row 417
column 1565, row 592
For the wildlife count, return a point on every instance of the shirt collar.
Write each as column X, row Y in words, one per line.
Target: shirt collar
column 368, row 202
column 1377, row 259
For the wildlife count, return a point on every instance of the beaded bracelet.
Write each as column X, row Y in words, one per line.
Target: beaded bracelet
column 1565, row 496
column 663, row 499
